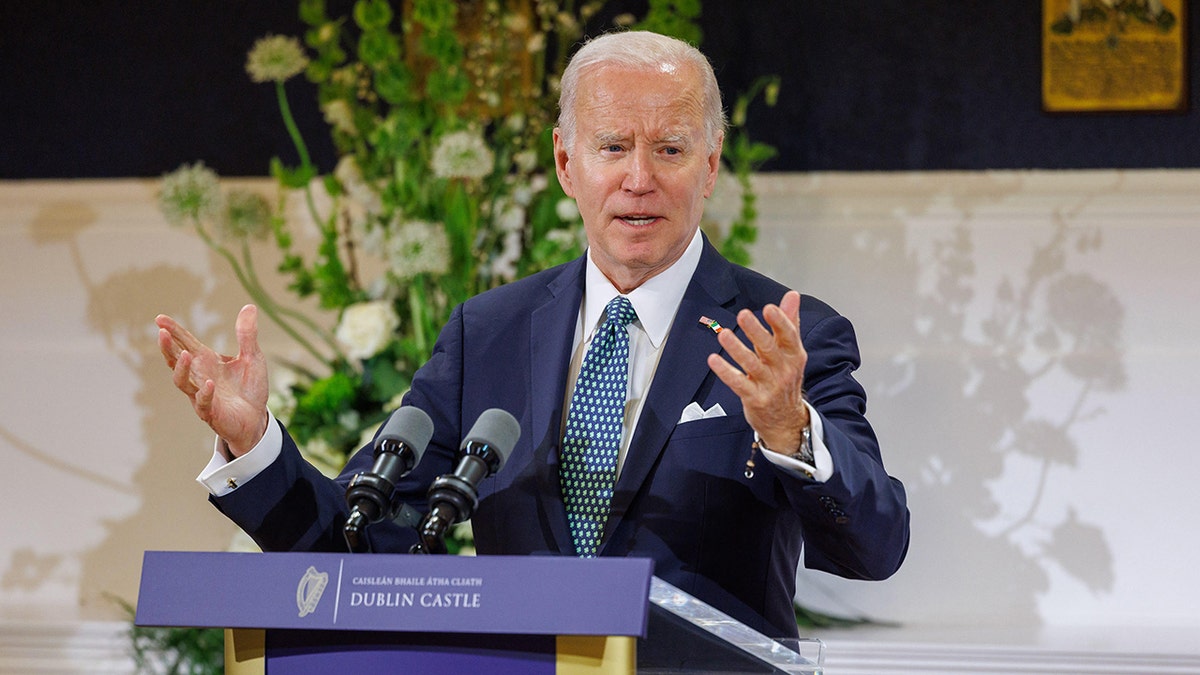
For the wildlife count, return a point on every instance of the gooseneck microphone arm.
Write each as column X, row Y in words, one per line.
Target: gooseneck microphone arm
column 398, row 448
column 453, row 497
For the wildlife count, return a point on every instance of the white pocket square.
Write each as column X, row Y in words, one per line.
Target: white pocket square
column 694, row 412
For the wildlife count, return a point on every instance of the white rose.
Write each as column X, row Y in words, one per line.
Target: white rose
column 366, row 328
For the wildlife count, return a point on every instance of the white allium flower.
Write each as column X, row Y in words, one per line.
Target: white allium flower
column 539, row 182
column 526, row 160
column 462, row 154
column 523, row 194
column 417, row 247
column 191, row 192
column 515, row 122
column 366, row 328
column 565, row 237
column 504, row 266
column 246, row 214
column 511, row 218
column 567, row 210
column 275, row 58
column 340, row 116
column 348, row 173
column 350, row 420
column 281, row 399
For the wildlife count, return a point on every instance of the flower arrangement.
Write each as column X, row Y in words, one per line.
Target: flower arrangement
column 441, row 116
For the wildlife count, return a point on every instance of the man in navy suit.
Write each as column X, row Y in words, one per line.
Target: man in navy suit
column 718, row 374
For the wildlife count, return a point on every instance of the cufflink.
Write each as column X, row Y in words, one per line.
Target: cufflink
column 231, row 483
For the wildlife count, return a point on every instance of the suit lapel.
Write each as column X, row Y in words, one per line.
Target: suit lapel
column 552, row 328
column 680, row 373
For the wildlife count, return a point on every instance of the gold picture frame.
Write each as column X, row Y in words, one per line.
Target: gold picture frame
column 1114, row 55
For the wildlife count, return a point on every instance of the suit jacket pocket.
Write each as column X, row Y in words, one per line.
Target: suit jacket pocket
column 710, row 427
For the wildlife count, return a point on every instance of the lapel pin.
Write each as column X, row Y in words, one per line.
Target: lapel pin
column 711, row 323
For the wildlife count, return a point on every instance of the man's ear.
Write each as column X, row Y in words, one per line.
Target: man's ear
column 714, row 166
column 562, row 163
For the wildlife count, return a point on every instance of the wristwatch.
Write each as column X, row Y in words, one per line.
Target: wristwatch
column 805, row 453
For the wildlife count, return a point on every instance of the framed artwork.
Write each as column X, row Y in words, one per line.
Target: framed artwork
column 1114, row 55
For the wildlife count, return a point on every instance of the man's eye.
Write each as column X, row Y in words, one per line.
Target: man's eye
column 613, row 148
column 672, row 151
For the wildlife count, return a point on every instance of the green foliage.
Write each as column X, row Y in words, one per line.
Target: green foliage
column 175, row 651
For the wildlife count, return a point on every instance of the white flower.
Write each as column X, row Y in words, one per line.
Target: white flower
column 523, row 194
column 275, row 58
column 282, row 399
column 526, row 160
column 348, row 173
column 191, row 192
column 366, row 328
column 567, row 210
column 511, row 218
column 504, row 266
column 462, row 154
column 566, row 237
column 350, row 420
column 515, row 122
column 418, row 247
column 339, row 115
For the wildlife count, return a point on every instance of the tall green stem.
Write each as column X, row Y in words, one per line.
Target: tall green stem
column 258, row 294
column 252, row 276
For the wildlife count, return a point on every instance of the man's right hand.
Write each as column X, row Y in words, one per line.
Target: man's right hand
column 229, row 393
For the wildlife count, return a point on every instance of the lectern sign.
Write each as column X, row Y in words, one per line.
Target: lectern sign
column 326, row 591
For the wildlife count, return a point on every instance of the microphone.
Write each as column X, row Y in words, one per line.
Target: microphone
column 453, row 497
column 398, row 448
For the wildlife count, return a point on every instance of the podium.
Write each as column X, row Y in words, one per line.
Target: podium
column 302, row 613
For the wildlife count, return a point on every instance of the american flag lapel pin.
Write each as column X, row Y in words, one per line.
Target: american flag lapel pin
column 711, row 323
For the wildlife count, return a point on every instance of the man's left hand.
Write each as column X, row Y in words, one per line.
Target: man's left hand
column 770, row 381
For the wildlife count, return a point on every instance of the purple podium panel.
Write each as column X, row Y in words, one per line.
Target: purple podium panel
column 410, row 593
column 323, row 652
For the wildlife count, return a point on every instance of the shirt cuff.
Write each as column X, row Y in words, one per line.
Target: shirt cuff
column 222, row 477
column 821, row 469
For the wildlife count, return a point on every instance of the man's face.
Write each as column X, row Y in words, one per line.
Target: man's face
column 639, row 167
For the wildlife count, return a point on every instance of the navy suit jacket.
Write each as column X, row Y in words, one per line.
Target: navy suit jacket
column 682, row 498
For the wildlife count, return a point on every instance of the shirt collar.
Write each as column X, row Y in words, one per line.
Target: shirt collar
column 655, row 301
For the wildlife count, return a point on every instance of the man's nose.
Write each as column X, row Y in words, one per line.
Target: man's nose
column 639, row 172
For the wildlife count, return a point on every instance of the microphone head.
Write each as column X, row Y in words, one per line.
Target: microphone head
column 410, row 426
column 497, row 429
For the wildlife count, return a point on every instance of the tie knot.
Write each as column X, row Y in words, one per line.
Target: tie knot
column 620, row 311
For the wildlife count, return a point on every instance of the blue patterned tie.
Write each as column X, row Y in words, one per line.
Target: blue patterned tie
column 594, row 424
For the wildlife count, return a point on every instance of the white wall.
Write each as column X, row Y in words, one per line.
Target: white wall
column 1030, row 352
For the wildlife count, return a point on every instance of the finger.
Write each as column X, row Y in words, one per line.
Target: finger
column 182, row 337
column 747, row 358
column 785, row 324
column 247, row 332
column 166, row 344
column 204, row 399
column 759, row 336
column 182, row 374
column 733, row 378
